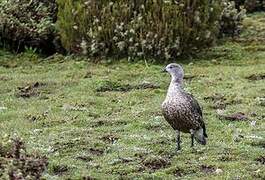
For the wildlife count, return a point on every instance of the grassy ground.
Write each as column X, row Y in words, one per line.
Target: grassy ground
column 104, row 120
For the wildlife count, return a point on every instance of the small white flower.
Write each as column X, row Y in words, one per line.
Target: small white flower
column 253, row 123
column 121, row 45
column 87, row 2
column 132, row 31
column 143, row 42
column 208, row 34
column 3, row 108
column 218, row 171
column 140, row 54
column 167, row 55
column 83, row 46
column 115, row 38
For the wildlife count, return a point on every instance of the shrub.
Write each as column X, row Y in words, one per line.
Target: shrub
column 231, row 19
column 250, row 5
column 151, row 28
column 27, row 23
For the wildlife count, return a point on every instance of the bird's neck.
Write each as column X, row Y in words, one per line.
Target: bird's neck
column 175, row 87
column 176, row 80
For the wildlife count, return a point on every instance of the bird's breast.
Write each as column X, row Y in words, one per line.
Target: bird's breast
column 172, row 107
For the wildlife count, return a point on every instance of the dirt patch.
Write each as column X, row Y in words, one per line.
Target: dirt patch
column 116, row 86
column 258, row 143
column 261, row 160
column 125, row 160
column 110, row 138
column 226, row 155
column 97, row 152
column 75, row 107
column 189, row 77
column 30, row 90
column 260, row 101
column 160, row 141
column 98, row 123
column 106, row 122
column 121, row 160
column 256, row 77
column 113, row 86
column 146, row 85
column 60, row 146
column 84, row 158
column 219, row 101
column 156, row 163
column 9, row 64
column 215, row 97
column 4, row 78
column 239, row 116
column 88, row 178
column 60, row 169
column 16, row 163
column 207, row 169
column 37, row 117
column 88, row 75
column 178, row 172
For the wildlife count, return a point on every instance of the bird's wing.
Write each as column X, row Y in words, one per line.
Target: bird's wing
column 194, row 103
column 197, row 109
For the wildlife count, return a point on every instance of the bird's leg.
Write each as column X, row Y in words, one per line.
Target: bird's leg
column 178, row 139
column 192, row 137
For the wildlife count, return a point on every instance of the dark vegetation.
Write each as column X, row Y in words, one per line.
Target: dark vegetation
column 29, row 24
column 135, row 29
column 231, row 20
column 128, row 28
column 250, row 5
column 17, row 163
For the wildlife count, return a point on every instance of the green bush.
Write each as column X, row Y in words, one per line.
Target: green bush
column 27, row 23
column 144, row 28
column 231, row 19
column 250, row 5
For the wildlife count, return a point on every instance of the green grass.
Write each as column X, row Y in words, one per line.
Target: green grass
column 120, row 133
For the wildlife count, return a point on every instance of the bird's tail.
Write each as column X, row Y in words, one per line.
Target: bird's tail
column 200, row 136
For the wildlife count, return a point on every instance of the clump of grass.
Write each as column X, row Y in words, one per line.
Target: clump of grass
column 16, row 163
column 116, row 86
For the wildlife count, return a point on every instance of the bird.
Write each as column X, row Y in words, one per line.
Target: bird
column 181, row 110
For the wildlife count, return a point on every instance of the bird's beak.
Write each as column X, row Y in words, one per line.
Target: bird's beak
column 163, row 70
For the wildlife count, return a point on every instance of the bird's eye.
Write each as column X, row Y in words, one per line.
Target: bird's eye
column 170, row 67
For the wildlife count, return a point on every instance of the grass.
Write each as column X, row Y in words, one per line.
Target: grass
column 103, row 120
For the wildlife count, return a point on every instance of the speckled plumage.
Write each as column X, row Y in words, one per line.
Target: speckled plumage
column 180, row 109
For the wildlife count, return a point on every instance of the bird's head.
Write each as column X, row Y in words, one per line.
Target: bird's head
column 176, row 71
